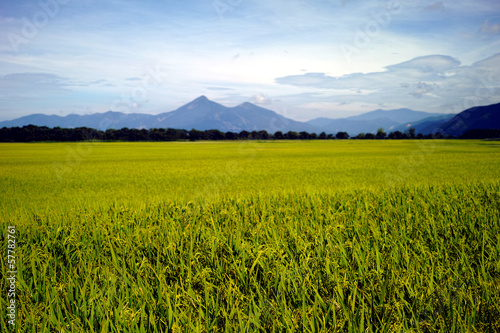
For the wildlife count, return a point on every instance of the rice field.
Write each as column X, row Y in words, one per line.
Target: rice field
column 270, row 236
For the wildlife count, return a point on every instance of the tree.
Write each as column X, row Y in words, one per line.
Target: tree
column 411, row 133
column 156, row 134
column 380, row 134
column 369, row 136
column 262, row 135
column 481, row 134
column 303, row 135
column 195, row 135
column 279, row 135
column 231, row 136
column 360, row 136
column 291, row 135
column 342, row 135
column 171, row 135
column 215, row 135
column 322, row 136
column 244, row 135
column 396, row 135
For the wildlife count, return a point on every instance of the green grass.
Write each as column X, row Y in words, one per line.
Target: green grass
column 348, row 236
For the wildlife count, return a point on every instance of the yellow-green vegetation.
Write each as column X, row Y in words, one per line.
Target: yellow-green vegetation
column 321, row 236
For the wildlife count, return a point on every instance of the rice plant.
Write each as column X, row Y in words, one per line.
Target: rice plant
column 254, row 236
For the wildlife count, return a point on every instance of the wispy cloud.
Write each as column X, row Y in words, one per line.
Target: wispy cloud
column 219, row 88
column 438, row 6
column 490, row 28
column 434, row 83
column 32, row 85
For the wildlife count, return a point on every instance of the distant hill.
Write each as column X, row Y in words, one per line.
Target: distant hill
column 428, row 125
column 200, row 114
column 396, row 115
column 354, row 127
column 204, row 114
column 481, row 117
column 100, row 121
column 389, row 120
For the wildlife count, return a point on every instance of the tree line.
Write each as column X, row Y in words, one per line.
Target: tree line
column 33, row 133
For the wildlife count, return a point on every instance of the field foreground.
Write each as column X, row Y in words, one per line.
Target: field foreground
column 348, row 236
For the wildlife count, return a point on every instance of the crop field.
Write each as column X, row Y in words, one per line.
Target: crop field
column 271, row 236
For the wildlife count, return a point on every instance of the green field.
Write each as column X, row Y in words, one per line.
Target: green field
column 319, row 236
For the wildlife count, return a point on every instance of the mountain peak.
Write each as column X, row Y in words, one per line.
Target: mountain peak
column 246, row 105
column 201, row 101
column 202, row 98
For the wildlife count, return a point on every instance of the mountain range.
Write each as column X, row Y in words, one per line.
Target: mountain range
column 389, row 120
column 200, row 114
column 204, row 114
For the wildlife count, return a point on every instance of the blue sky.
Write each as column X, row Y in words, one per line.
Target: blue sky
column 301, row 58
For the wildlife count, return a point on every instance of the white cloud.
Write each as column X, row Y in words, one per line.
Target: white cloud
column 490, row 28
column 433, row 83
column 430, row 63
column 261, row 99
column 421, row 88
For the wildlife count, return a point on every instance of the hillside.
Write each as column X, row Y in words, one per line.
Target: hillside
column 428, row 125
column 389, row 120
column 481, row 117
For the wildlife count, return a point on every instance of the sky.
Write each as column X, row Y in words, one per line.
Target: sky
column 301, row 58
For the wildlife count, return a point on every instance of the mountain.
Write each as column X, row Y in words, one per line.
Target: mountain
column 396, row 115
column 427, row 125
column 203, row 114
column 100, row 121
column 319, row 122
column 354, row 127
column 480, row 117
column 389, row 120
column 200, row 114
